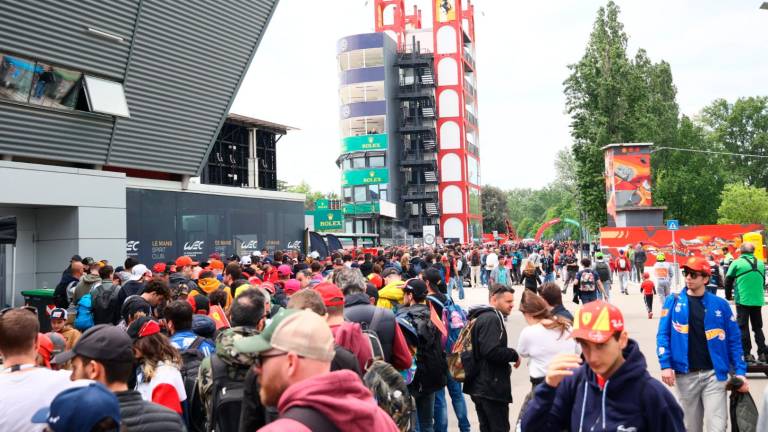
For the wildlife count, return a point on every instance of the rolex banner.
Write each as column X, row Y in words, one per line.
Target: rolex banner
column 365, row 177
column 364, row 143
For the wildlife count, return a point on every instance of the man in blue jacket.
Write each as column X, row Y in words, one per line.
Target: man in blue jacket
column 611, row 392
column 699, row 344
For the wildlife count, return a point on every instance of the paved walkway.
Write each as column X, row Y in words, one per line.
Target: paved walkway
column 640, row 328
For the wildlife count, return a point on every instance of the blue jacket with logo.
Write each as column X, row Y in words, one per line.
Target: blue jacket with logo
column 723, row 335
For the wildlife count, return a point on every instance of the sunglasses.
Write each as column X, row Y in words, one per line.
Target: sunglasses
column 27, row 308
column 693, row 274
column 260, row 359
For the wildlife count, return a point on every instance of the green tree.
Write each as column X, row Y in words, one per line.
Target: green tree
column 688, row 183
column 310, row 195
column 741, row 127
column 743, row 205
column 614, row 100
column 494, row 205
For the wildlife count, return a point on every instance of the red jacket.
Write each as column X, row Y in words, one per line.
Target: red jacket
column 350, row 336
column 340, row 397
column 617, row 263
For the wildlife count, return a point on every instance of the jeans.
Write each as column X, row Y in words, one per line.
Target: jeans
column 458, row 283
column 702, row 396
column 587, row 297
column 623, row 281
column 459, row 407
column 549, row 277
column 474, row 276
column 663, row 291
column 639, row 269
column 607, row 288
column 484, row 276
column 746, row 315
column 493, row 415
column 425, row 411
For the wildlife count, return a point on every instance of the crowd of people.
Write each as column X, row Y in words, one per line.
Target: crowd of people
column 375, row 342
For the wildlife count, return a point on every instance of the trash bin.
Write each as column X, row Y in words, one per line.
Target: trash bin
column 42, row 299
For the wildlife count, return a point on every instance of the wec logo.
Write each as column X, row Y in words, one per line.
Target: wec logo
column 132, row 246
column 253, row 244
column 194, row 246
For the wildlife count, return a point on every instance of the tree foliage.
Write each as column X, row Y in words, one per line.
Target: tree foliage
column 494, row 205
column 310, row 196
column 743, row 205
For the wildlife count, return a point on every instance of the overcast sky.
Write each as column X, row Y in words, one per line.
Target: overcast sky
column 717, row 49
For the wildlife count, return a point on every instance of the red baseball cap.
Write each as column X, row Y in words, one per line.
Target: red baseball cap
column 184, row 261
column 597, row 321
column 291, row 286
column 284, row 270
column 698, row 264
column 331, row 294
column 159, row 267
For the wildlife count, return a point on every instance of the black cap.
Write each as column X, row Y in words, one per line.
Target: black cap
column 103, row 342
column 234, row 257
column 417, row 287
column 77, row 258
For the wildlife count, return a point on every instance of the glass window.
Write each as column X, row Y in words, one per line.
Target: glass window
column 55, row 87
column 374, row 189
column 363, row 125
column 346, row 164
column 15, row 77
column 376, row 161
column 360, row 195
column 347, row 194
column 348, row 226
column 106, row 97
column 383, row 193
column 362, row 92
column 358, row 162
column 373, row 57
column 473, row 170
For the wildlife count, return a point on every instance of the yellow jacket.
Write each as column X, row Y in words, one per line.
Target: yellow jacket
column 208, row 286
column 391, row 295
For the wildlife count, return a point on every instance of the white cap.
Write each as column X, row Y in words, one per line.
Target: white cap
column 138, row 271
column 246, row 260
column 314, row 255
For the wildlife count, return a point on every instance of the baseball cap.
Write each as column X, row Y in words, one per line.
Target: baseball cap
column 215, row 255
column 597, row 321
column 45, row 348
column 331, row 294
column 298, row 331
column 376, row 280
column 284, row 270
column 88, row 261
column 77, row 258
column 143, row 327
column 698, row 264
column 417, row 287
column 184, row 261
column 159, row 267
column 138, row 271
column 389, row 271
column 66, row 411
column 234, row 257
column 216, row 264
column 59, row 313
column 101, row 342
column 599, row 255
column 314, row 255
column 59, row 344
column 246, row 260
column 291, row 286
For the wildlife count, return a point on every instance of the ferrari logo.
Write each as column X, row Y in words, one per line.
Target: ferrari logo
column 586, row 317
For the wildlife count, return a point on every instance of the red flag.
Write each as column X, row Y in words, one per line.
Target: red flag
column 219, row 317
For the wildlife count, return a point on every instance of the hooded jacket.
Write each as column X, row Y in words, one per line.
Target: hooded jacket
column 87, row 282
column 630, row 400
column 723, row 335
column 338, row 396
column 358, row 309
column 209, row 285
column 350, row 336
column 492, row 357
column 391, row 295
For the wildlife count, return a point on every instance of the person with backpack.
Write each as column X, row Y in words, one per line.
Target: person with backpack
column 346, row 334
column 140, row 274
column 487, row 363
column 571, row 265
column 292, row 361
column 376, row 322
column 698, row 345
column 747, row 274
column 605, row 274
column 181, row 281
column 587, row 286
column 517, row 262
column 391, row 295
column 610, row 389
column 426, row 340
column 222, row 375
column 663, row 272
column 104, row 298
column 454, row 319
column 622, row 269
column 81, row 306
column 208, row 284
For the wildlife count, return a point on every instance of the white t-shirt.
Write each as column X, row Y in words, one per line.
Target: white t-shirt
column 491, row 261
column 22, row 394
column 540, row 345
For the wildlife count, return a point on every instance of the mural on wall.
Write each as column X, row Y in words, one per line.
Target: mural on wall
column 704, row 240
column 627, row 179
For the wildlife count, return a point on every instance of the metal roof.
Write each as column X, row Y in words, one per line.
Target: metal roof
column 259, row 124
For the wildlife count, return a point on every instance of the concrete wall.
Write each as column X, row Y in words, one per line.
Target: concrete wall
column 61, row 211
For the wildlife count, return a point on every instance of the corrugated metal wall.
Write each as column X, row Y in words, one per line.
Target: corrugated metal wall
column 186, row 65
column 187, row 60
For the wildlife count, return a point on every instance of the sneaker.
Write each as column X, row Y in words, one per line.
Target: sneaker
column 762, row 358
column 749, row 358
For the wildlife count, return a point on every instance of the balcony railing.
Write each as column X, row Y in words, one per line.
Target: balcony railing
column 468, row 57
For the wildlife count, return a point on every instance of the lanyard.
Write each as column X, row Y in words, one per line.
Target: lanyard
column 17, row 368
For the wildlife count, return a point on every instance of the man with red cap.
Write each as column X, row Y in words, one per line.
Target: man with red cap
column 699, row 344
column 611, row 391
column 346, row 334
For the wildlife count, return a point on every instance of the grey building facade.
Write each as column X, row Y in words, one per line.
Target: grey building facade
column 93, row 95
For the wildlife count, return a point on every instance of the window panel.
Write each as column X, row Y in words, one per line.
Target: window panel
column 107, row 97
column 16, row 76
column 55, row 87
column 374, row 190
column 376, row 161
column 346, row 164
column 358, row 162
column 360, row 195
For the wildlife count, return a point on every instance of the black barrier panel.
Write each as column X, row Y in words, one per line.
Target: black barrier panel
column 334, row 244
column 317, row 244
column 8, row 230
column 165, row 225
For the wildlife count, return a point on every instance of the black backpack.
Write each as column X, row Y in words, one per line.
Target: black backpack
column 190, row 365
column 603, row 271
column 105, row 308
column 227, row 395
column 431, row 364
